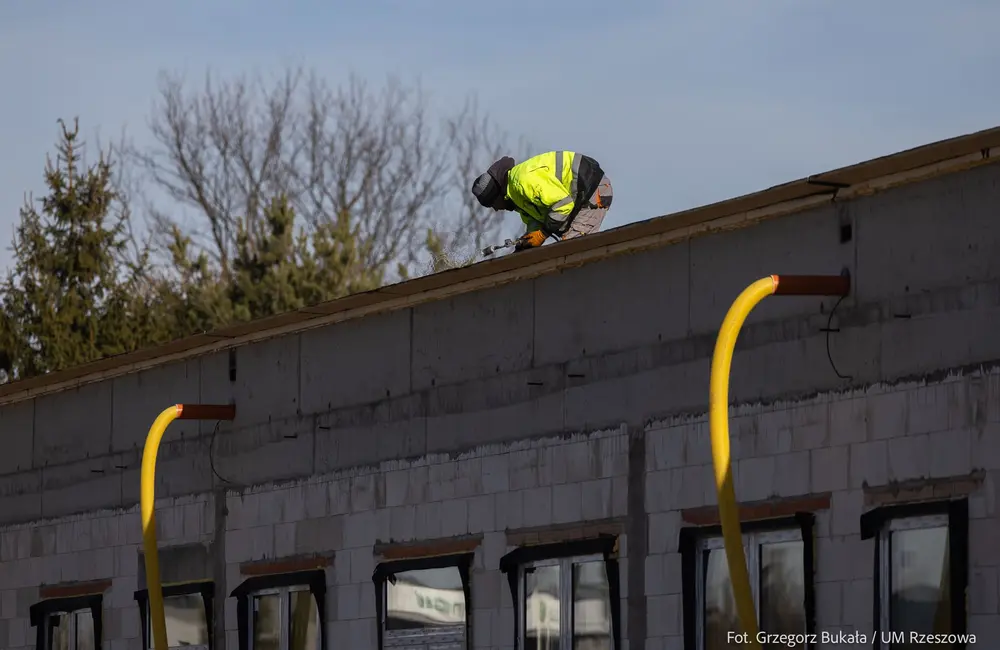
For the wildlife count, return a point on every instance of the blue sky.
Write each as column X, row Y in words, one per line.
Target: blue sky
column 684, row 103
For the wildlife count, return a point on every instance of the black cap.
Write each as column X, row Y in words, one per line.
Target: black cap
column 486, row 189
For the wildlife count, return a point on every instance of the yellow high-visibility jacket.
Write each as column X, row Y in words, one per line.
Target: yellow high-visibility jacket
column 544, row 189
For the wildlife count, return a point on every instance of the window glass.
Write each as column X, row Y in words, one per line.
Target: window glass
column 425, row 598
column 720, row 605
column 920, row 595
column 303, row 616
column 84, row 630
column 541, row 597
column 782, row 589
column 59, row 631
column 591, row 607
column 184, row 616
column 267, row 622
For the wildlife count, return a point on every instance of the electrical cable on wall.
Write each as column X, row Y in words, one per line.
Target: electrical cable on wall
column 211, row 454
column 828, row 330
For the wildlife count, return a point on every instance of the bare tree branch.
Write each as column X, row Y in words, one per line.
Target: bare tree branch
column 373, row 164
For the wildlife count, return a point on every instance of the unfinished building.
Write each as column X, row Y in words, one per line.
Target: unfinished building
column 516, row 454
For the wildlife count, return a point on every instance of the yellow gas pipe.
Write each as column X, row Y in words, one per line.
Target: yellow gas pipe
column 147, row 498
column 795, row 285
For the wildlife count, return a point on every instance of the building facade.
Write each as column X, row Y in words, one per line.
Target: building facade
column 517, row 455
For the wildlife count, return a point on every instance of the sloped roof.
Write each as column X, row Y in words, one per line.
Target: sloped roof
column 905, row 167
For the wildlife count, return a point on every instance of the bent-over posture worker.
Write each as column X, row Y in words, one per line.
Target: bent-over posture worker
column 563, row 194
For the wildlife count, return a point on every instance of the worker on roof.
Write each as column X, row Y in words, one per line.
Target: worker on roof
column 562, row 194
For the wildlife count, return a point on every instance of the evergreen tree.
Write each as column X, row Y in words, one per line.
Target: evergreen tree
column 73, row 294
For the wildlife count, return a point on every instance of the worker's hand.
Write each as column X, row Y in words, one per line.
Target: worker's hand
column 530, row 240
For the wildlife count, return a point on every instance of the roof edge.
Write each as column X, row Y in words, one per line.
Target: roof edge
column 909, row 166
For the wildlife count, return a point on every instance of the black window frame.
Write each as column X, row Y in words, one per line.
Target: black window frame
column 205, row 588
column 690, row 546
column 40, row 615
column 605, row 546
column 385, row 572
column 313, row 580
column 955, row 512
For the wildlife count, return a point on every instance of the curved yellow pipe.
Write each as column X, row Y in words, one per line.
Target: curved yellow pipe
column 146, row 499
column 719, row 423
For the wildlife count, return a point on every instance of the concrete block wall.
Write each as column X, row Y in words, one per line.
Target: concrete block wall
column 494, row 492
column 864, row 448
column 625, row 339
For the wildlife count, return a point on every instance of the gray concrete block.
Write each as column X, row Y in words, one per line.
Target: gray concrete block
column 94, row 494
column 848, row 421
column 402, row 523
column 473, row 336
column 829, row 468
column 140, row 397
column 985, row 443
column 441, row 479
column 456, row 431
column 810, row 425
column 20, row 508
column 284, row 540
column 537, row 506
column 668, row 619
column 319, row 535
column 756, row 478
column 857, row 608
column 495, row 473
column 267, row 381
column 509, row 511
column 774, row 435
column 984, row 591
column 454, row 517
column 73, row 424
column 654, row 392
column 869, row 464
column 792, row 474
column 567, row 503
column 888, row 414
column 482, row 514
column 909, row 458
column 928, row 409
column 886, row 260
column 574, row 313
column 261, row 455
column 356, row 362
column 846, row 507
column 829, row 604
column 951, row 453
column 665, row 448
column 722, row 265
column 934, row 335
column 17, row 421
column 595, row 497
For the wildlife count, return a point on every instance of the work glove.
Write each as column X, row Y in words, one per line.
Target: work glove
column 529, row 240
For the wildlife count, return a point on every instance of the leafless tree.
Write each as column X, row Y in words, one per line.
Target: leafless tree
column 373, row 163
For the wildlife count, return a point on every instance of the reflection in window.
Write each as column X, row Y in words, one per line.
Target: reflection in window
column 184, row 616
column 285, row 619
column 541, row 608
column 566, row 605
column 71, row 631
column 425, row 607
column 916, row 596
column 591, row 607
column 776, row 567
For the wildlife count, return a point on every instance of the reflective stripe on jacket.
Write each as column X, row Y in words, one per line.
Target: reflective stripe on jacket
column 544, row 186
